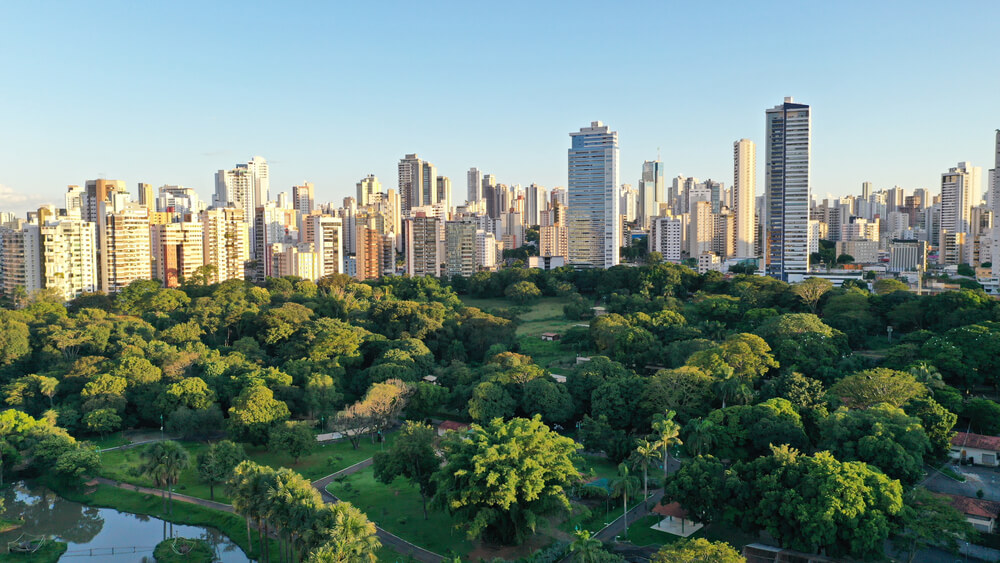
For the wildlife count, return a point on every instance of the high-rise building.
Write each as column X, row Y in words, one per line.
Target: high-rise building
column 125, row 249
column 474, row 179
column 417, row 182
column 179, row 200
column 460, row 248
column 227, row 243
column 368, row 258
column 247, row 187
column 69, row 254
column 593, row 219
column 367, row 188
column 423, row 246
column 650, row 192
column 701, row 228
column 666, row 237
column 261, row 179
column 97, row 192
column 957, row 189
column 994, row 179
column 787, row 189
column 303, row 198
column 146, row 197
column 20, row 259
column 443, row 194
column 535, row 200
column 744, row 195
column 326, row 234
column 178, row 251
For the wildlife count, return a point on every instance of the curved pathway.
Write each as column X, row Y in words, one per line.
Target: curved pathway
column 388, row 539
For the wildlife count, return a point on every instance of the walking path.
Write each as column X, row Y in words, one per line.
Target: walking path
column 397, row 543
column 393, row 541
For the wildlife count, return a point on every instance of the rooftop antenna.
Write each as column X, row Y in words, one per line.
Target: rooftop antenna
column 657, row 153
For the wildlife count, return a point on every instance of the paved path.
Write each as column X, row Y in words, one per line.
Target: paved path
column 397, row 543
column 617, row 528
column 388, row 539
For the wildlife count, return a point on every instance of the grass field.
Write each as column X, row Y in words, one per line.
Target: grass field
column 397, row 508
column 598, row 466
column 640, row 533
column 544, row 315
column 123, row 465
column 48, row 553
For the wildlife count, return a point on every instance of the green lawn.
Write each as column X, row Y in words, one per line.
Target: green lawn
column 640, row 533
column 599, row 466
column 593, row 516
column 544, row 315
column 48, row 553
column 123, row 465
column 397, row 508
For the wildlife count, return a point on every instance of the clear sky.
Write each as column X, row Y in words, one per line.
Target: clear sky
column 169, row 92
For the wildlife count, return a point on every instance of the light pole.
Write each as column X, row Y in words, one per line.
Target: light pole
column 161, row 427
column 889, row 330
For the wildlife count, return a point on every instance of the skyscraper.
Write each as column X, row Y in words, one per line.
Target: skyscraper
column 744, row 193
column 650, row 191
column 417, row 182
column 994, row 178
column 957, row 189
column 303, row 198
column 367, row 188
column 593, row 219
column 125, row 251
column 474, row 182
column 787, row 189
column 535, row 198
column 443, row 192
column 226, row 243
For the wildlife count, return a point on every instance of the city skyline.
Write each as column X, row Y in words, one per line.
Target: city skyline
column 159, row 113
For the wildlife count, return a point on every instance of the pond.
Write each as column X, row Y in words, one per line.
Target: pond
column 96, row 530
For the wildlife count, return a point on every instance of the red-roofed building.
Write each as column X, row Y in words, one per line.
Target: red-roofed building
column 982, row 514
column 452, row 425
column 982, row 450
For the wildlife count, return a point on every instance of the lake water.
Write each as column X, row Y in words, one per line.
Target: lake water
column 87, row 528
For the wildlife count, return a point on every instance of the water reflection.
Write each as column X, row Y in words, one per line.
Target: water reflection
column 86, row 528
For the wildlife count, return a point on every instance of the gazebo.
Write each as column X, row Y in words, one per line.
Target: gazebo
column 675, row 520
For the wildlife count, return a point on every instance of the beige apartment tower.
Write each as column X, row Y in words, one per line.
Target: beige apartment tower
column 744, row 196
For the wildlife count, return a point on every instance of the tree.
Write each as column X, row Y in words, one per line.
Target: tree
column 667, row 433
column 15, row 339
column 76, row 462
column 163, row 462
column 885, row 286
column 624, row 486
column 294, row 438
column 701, row 434
column 810, row 290
column 254, row 412
column 502, row 477
column 699, row 486
column 351, row 536
column 102, row 421
column 927, row 520
column 522, row 292
column 547, row 398
column 645, row 452
column 938, row 423
column 216, row 464
column 983, row 415
column 879, row 385
column 698, row 550
column 586, row 548
column 883, row 436
column 812, row 503
column 412, row 456
column 491, row 400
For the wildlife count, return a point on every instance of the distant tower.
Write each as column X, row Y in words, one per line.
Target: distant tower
column 593, row 219
column 650, row 191
column 787, row 189
column 744, row 195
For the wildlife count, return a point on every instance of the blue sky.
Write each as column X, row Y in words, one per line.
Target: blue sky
column 170, row 92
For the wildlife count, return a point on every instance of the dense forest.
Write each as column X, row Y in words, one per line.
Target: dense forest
column 805, row 411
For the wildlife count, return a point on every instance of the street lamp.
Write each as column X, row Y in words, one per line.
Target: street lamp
column 889, row 330
column 161, row 427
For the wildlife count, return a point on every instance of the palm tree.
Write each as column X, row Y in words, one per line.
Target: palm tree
column 700, row 434
column 927, row 374
column 668, row 433
column 645, row 452
column 587, row 548
column 163, row 462
column 237, row 487
column 734, row 388
column 350, row 536
column 624, row 486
